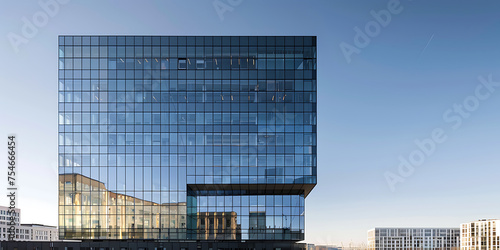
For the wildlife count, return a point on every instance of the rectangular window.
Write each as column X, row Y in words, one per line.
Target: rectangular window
column 182, row 63
column 200, row 64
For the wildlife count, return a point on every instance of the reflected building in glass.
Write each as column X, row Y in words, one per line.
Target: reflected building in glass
column 186, row 138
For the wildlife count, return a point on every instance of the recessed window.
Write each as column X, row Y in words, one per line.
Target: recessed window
column 200, row 64
column 182, row 63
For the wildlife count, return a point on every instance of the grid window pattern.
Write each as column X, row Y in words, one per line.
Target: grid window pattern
column 152, row 130
column 482, row 234
column 414, row 238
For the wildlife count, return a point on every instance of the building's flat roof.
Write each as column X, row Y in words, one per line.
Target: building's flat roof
column 414, row 228
column 37, row 225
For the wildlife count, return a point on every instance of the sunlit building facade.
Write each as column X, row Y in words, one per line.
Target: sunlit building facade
column 481, row 234
column 23, row 232
column 186, row 138
column 414, row 238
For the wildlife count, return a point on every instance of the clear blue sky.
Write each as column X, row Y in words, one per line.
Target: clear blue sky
column 425, row 60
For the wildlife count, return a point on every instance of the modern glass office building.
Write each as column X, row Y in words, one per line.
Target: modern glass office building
column 186, row 138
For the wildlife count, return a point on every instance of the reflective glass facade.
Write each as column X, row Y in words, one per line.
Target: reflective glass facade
column 203, row 138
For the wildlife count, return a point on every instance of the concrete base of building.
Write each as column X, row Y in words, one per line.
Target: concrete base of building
column 152, row 245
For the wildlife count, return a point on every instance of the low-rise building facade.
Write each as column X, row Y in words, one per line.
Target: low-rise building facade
column 414, row 238
column 23, row 232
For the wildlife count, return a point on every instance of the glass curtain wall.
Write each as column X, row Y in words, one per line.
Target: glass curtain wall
column 170, row 137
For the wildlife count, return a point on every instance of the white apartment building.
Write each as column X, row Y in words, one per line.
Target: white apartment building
column 414, row 238
column 25, row 232
column 481, row 235
column 5, row 219
column 39, row 232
